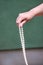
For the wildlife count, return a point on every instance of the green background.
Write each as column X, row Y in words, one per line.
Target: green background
column 9, row 34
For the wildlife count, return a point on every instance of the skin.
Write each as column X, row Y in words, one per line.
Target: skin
column 27, row 16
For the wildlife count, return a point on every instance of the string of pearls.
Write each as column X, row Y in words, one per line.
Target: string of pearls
column 21, row 32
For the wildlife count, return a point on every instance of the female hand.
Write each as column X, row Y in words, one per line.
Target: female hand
column 23, row 18
column 26, row 16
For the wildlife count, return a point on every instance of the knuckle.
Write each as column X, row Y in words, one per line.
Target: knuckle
column 20, row 14
column 16, row 21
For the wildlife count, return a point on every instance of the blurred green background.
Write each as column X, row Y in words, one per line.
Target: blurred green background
column 9, row 34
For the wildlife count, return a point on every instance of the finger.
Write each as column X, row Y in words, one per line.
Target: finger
column 22, row 23
column 19, row 19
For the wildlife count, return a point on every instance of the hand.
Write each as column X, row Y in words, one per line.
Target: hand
column 23, row 18
column 26, row 16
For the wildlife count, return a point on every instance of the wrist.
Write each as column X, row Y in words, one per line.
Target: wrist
column 38, row 10
column 31, row 13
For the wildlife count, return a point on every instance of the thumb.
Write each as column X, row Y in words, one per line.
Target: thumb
column 22, row 23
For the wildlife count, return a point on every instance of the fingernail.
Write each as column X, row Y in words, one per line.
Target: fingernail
column 20, row 25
